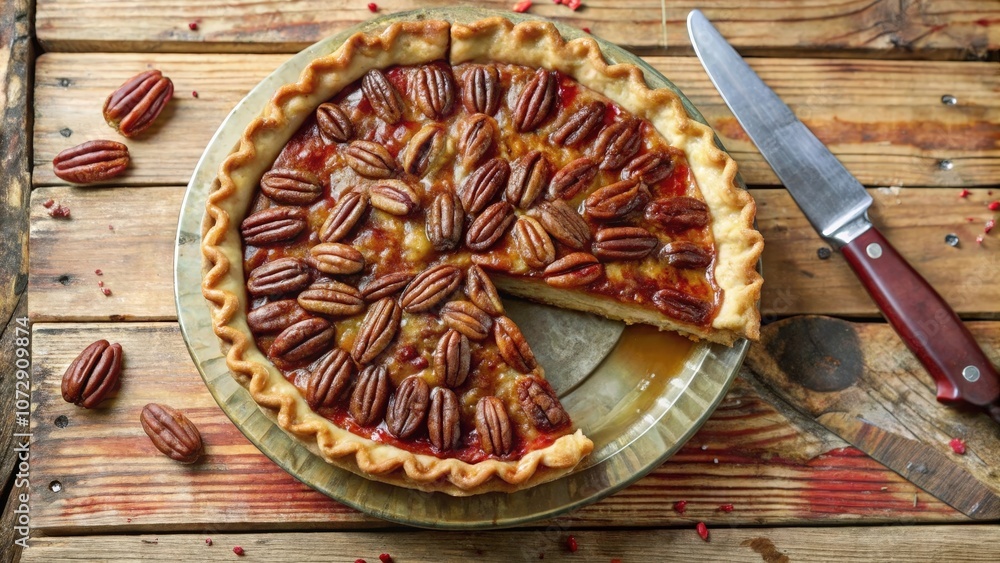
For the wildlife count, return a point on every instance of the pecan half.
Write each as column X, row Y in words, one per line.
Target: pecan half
column 284, row 275
column 678, row 214
column 394, row 197
column 335, row 258
column 686, row 255
column 333, row 298
column 580, row 124
column 452, row 358
column 487, row 229
column 303, row 340
column 466, row 318
column 334, row 124
column 650, row 167
column 329, row 379
column 133, row 107
column 370, row 396
column 540, row 403
column 623, row 243
column 434, row 90
column 536, row 102
column 91, row 162
column 529, row 175
column 572, row 178
column 479, row 135
column 94, row 375
column 513, row 347
column 291, row 187
column 275, row 316
column 171, row 432
column 616, row 201
column 533, row 243
column 563, row 223
column 344, row 216
column 386, row 285
column 423, row 149
column 408, row 407
column 369, row 159
column 383, row 96
column 443, row 419
column 481, row 90
column 493, row 426
column 445, row 219
column 573, row 270
column 480, row 289
column 481, row 187
column 682, row 306
column 618, row 143
column 430, row 287
column 274, row 224
column 377, row 330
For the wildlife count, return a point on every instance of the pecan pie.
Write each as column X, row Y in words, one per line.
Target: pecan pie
column 358, row 239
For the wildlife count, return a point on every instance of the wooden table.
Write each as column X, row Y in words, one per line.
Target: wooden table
column 874, row 79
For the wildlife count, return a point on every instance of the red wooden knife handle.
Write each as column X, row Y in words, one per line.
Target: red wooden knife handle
column 928, row 326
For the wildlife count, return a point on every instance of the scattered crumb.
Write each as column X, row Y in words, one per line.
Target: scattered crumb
column 111, row 227
column 586, row 29
column 994, row 206
column 715, row 460
column 385, row 558
column 964, row 193
column 59, row 211
column 704, row 447
column 100, row 283
column 193, row 26
column 99, row 272
column 680, row 506
column 989, row 226
column 980, row 239
column 194, row 93
column 106, row 291
column 372, row 7
column 238, row 551
column 702, row 530
column 208, row 541
column 571, row 544
column 726, row 507
column 957, row 446
column 49, row 203
column 522, row 6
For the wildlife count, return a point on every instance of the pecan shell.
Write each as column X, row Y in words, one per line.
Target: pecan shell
column 650, row 167
column 678, row 214
column 370, row 396
column 480, row 188
column 333, row 298
column 445, row 220
column 682, row 306
column 512, row 345
column 479, row 135
column 329, row 379
column 274, row 224
column 686, row 255
column 370, row 160
column 481, row 90
column 408, row 407
column 377, row 330
column 480, row 289
column 291, row 187
column 133, row 107
column 334, row 124
column 284, row 275
column 579, row 125
column 424, row 149
column 573, row 270
column 563, row 223
column 540, row 403
column 537, row 101
column 383, row 96
column 529, row 175
column 94, row 375
column 467, row 319
column 572, row 178
column 394, row 197
column 616, row 201
column 487, row 229
column 452, row 358
column 302, row 341
column 344, row 216
column 171, row 432
column 335, row 258
column 434, row 91
column 618, row 143
column 493, row 426
column 91, row 162
column 533, row 243
column 430, row 287
column 275, row 316
column 623, row 243
column 443, row 419
column 386, row 285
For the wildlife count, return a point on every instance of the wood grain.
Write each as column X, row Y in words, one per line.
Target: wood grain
column 772, row 468
column 750, row 545
column 952, row 28
column 136, row 256
column 881, row 118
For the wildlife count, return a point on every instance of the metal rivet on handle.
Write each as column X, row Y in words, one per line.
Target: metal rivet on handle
column 946, row 164
column 874, row 250
column 971, row 374
column 949, row 100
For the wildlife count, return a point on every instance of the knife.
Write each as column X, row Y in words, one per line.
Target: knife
column 836, row 205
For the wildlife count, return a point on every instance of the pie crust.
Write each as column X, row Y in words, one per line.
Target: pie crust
column 532, row 44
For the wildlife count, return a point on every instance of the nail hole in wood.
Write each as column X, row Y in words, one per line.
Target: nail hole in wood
column 62, row 421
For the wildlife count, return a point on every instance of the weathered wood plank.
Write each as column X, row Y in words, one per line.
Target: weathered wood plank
column 952, row 28
column 135, row 256
column 881, row 118
column 773, row 469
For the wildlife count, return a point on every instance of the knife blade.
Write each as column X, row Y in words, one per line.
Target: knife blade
column 836, row 204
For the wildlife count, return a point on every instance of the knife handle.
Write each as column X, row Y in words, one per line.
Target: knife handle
column 925, row 322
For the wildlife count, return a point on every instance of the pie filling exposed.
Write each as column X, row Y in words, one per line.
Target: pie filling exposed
column 372, row 243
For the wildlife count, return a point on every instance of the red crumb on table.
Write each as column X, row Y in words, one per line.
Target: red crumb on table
column 100, row 283
column 587, row 29
column 702, row 530
column 49, row 203
column 957, row 445
column 522, row 6
column 111, row 227
column 989, row 226
column 980, row 239
column 106, row 292
column 59, row 211
column 573, row 4
column 680, row 506
column 385, row 558
column 238, row 550
column 194, row 93
column 99, row 272
column 726, row 507
column 964, row 193
column 372, row 7
column 994, row 206
column 208, row 541
column 193, row 26
column 360, row 561
column 571, row 544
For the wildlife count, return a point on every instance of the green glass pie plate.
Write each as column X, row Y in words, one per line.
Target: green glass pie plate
column 637, row 393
